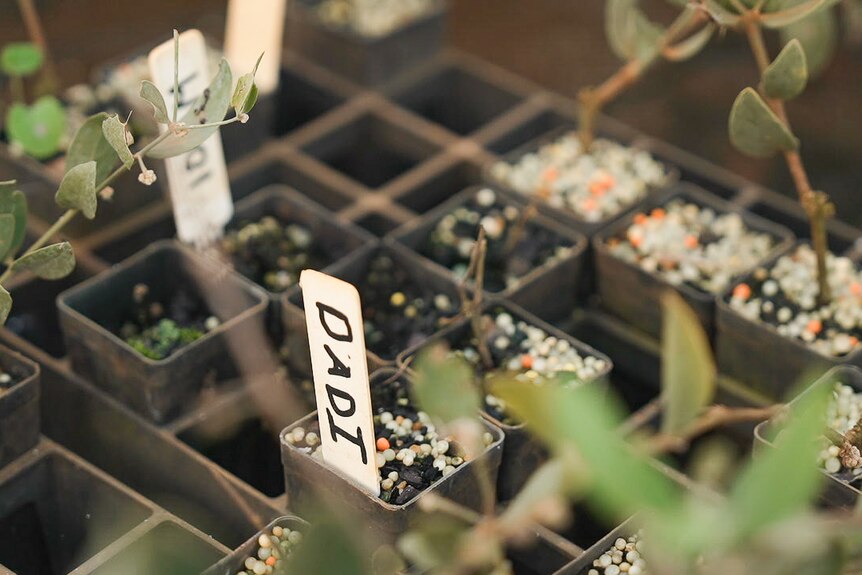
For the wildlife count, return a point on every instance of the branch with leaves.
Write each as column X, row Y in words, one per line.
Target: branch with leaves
column 91, row 168
column 640, row 43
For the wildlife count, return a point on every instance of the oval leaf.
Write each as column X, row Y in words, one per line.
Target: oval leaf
column 205, row 109
column 89, row 144
column 439, row 378
column 5, row 305
column 243, row 93
column 630, row 33
column 115, row 133
column 39, row 128
column 819, row 36
column 7, row 234
column 791, row 15
column 20, row 59
column 691, row 46
column 151, row 94
column 50, row 263
column 14, row 202
column 787, row 76
column 688, row 370
column 755, row 129
column 78, row 190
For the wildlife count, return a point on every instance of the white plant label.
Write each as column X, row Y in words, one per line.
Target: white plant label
column 198, row 181
column 333, row 317
column 252, row 28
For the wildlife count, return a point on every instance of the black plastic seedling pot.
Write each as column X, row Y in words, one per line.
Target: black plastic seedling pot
column 92, row 311
column 57, row 511
column 364, row 60
column 549, row 291
column 19, row 405
column 332, row 238
column 755, row 353
column 633, row 294
column 567, row 216
column 235, row 562
column 839, row 489
column 355, row 269
column 522, row 454
column 583, row 564
column 309, row 481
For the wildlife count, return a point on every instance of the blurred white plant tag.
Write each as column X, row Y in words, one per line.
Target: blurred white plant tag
column 333, row 317
column 197, row 180
column 247, row 34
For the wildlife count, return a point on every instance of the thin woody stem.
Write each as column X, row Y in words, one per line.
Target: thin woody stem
column 818, row 208
column 37, row 34
column 714, row 417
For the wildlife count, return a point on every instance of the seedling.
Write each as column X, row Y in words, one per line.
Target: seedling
column 91, row 168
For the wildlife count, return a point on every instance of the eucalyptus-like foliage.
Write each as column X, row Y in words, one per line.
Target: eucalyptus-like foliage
column 98, row 154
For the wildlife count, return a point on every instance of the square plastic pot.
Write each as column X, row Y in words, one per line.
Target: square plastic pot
column 549, row 291
column 756, row 354
column 441, row 186
column 567, row 216
column 354, row 270
column 634, row 295
column 335, row 238
column 235, row 562
column 366, row 61
column 19, row 406
column 56, row 512
column 583, row 564
column 157, row 389
column 457, row 99
column 839, row 489
column 370, row 149
column 308, row 480
column 523, row 453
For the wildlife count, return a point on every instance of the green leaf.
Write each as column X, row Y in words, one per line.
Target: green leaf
column 755, row 129
column 691, row 46
column 555, row 479
column 38, row 128
column 387, row 561
column 14, row 202
column 819, row 37
column 77, row 191
column 792, row 14
column 430, row 546
column 315, row 554
column 115, row 133
column 782, row 481
column 151, row 94
column 720, row 14
column 50, row 263
column 688, row 369
column 441, row 377
column 89, row 144
column 630, row 34
column 20, row 59
column 5, row 305
column 786, row 77
column 587, row 418
column 204, row 110
column 245, row 94
column 7, row 234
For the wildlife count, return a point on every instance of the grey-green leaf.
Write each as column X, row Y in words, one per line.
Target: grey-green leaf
column 13, row 201
column 791, row 15
column 151, row 94
column 441, row 377
column 50, row 263
column 20, row 59
column 5, row 305
column 819, row 36
column 688, row 370
column 755, row 129
column 787, row 75
column 204, row 110
column 630, row 34
column 691, row 46
column 77, row 191
column 115, row 133
column 245, row 94
column 89, row 144
column 7, row 234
